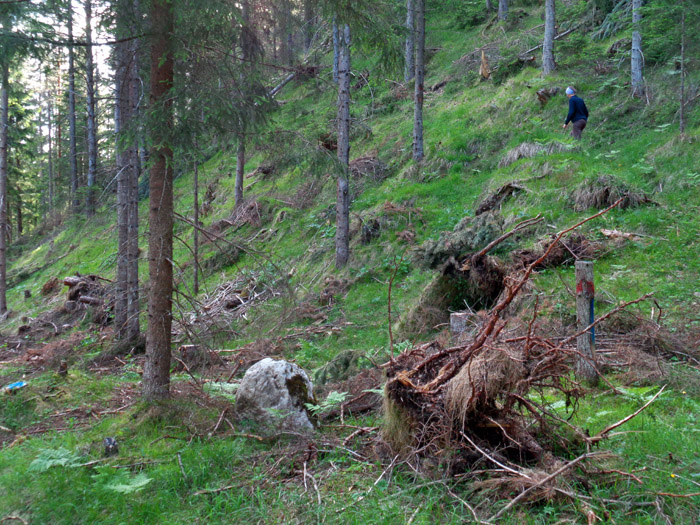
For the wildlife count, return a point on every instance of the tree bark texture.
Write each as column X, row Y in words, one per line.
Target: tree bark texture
column 342, row 233
column 91, row 118
column 195, row 242
column 681, row 116
column 71, row 119
column 336, row 51
column 637, row 58
column 132, row 153
column 156, row 374
column 502, row 10
column 240, row 170
column 121, row 102
column 548, row 63
column 4, row 120
column 409, row 54
column 418, row 152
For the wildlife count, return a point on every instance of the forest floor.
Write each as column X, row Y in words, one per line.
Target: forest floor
column 189, row 461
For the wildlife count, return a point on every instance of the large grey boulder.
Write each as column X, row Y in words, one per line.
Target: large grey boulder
column 273, row 394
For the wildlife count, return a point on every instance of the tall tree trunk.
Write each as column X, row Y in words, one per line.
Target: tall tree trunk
column 71, row 118
column 502, row 10
column 132, row 152
column 410, row 64
column 4, row 120
column 195, row 243
column 308, row 24
column 91, row 119
column 418, row 152
column 489, row 6
column 637, row 60
column 681, row 116
column 156, row 374
column 49, row 126
column 240, row 170
column 336, row 51
column 20, row 224
column 548, row 63
column 121, row 121
column 342, row 232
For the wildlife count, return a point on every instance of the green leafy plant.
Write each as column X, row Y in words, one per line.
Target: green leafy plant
column 333, row 400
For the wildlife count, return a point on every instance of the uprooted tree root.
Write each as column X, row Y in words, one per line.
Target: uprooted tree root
column 476, row 399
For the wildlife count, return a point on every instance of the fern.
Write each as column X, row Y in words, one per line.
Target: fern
column 49, row 458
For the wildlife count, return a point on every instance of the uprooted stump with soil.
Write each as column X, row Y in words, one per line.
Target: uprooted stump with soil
column 482, row 401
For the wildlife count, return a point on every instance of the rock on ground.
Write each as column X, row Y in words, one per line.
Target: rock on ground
column 273, row 393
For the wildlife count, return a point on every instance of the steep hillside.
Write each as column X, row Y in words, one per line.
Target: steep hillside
column 275, row 255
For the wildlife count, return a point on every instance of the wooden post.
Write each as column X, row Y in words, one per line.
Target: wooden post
column 585, row 343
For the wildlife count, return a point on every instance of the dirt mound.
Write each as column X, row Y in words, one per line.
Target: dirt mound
column 369, row 167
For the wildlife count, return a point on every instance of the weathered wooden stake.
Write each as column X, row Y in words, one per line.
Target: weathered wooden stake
column 585, row 343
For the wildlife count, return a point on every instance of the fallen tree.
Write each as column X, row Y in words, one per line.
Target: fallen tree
column 476, row 399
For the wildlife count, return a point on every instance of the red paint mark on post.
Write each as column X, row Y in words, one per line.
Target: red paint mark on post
column 586, row 287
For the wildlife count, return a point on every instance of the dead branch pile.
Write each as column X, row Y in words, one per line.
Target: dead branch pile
column 497, row 198
column 477, row 399
column 230, row 301
column 602, row 192
column 527, row 150
column 87, row 289
column 369, row 167
column 565, row 251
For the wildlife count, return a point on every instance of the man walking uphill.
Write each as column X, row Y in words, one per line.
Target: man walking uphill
column 578, row 113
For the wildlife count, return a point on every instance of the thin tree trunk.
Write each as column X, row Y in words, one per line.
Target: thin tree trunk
column 49, row 125
column 132, row 277
column 489, row 6
column 418, row 152
column 195, row 247
column 4, row 120
column 336, row 51
column 502, row 10
column 637, row 60
column 20, row 225
column 240, row 170
column 342, row 233
column 548, row 63
column 71, row 119
column 156, row 374
column 410, row 64
column 121, row 110
column 681, row 120
column 308, row 25
column 91, row 119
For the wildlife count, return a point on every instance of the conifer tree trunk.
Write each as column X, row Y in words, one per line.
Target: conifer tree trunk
column 548, row 63
column 336, row 51
column 120, row 121
column 195, row 242
column 502, row 10
column 49, row 126
column 91, row 119
column 410, row 64
column 418, row 152
column 240, row 170
column 489, row 6
column 4, row 120
column 637, row 59
column 71, row 118
column 342, row 232
column 308, row 24
column 681, row 116
column 133, row 329
column 156, row 373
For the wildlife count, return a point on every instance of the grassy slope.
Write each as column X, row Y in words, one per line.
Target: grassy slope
column 469, row 127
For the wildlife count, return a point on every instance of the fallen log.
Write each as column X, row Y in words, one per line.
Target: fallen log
column 93, row 301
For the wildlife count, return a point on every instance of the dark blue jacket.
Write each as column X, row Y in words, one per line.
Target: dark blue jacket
column 577, row 110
